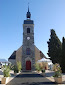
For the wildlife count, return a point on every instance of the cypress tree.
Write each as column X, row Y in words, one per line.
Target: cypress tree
column 54, row 48
column 63, row 56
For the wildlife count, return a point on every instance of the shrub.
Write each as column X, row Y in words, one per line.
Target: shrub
column 43, row 71
column 40, row 66
column 19, row 66
column 12, row 67
column 58, row 72
column 37, row 66
column 15, row 69
column 6, row 71
column 56, row 67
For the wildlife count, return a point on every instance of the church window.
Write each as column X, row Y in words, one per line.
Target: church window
column 28, row 51
column 28, row 30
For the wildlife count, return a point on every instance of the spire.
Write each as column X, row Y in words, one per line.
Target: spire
column 28, row 7
column 28, row 13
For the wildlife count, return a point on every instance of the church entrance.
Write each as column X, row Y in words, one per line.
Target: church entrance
column 28, row 65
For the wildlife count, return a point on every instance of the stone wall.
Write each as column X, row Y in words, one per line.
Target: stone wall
column 19, row 54
column 37, row 54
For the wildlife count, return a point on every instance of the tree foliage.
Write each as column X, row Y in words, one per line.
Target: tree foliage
column 63, row 56
column 54, row 48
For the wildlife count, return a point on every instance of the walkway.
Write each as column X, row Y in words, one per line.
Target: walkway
column 30, row 78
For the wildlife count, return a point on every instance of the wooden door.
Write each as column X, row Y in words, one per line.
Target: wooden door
column 28, row 65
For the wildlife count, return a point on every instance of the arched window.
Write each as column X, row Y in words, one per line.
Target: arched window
column 28, row 30
column 28, row 51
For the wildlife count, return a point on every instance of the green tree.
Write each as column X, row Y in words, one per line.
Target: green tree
column 54, row 48
column 63, row 56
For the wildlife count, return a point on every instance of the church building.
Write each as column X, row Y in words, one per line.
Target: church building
column 28, row 53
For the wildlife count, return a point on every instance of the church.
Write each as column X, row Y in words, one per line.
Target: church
column 28, row 53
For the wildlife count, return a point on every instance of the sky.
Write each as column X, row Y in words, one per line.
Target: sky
column 47, row 15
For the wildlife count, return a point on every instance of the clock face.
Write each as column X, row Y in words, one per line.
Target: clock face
column 28, row 38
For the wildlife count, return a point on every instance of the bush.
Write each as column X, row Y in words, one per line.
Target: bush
column 12, row 67
column 37, row 67
column 19, row 66
column 6, row 71
column 40, row 67
column 57, row 67
column 43, row 71
column 58, row 72
column 15, row 69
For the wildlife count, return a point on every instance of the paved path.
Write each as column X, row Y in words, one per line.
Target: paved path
column 30, row 78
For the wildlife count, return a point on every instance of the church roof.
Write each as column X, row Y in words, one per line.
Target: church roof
column 13, row 56
column 42, row 55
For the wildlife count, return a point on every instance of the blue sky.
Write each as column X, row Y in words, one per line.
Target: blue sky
column 47, row 14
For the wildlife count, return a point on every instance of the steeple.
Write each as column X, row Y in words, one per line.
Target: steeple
column 28, row 15
column 28, row 8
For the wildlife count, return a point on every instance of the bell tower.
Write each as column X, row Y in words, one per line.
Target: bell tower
column 28, row 50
